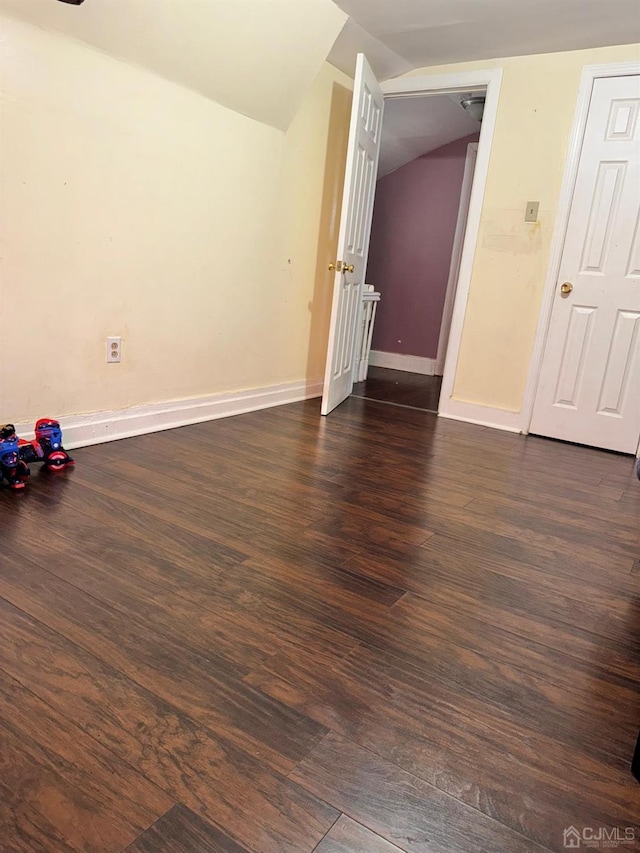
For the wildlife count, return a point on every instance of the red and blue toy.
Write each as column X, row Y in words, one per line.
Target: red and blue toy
column 16, row 453
column 47, row 446
column 12, row 467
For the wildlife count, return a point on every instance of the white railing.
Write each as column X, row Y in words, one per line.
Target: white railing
column 370, row 299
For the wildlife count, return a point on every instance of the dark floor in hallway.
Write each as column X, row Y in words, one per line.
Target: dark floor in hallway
column 401, row 388
column 376, row 632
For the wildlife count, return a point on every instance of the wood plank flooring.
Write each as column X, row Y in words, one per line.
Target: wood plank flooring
column 401, row 388
column 379, row 632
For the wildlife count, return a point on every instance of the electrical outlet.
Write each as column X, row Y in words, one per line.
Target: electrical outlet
column 114, row 350
column 531, row 211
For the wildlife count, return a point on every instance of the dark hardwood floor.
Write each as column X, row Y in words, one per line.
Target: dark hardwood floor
column 400, row 388
column 379, row 632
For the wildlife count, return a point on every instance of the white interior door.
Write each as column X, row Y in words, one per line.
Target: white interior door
column 353, row 238
column 589, row 389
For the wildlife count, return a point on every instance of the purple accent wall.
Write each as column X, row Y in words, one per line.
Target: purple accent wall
column 414, row 221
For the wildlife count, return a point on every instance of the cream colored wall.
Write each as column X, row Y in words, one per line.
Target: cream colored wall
column 134, row 207
column 535, row 115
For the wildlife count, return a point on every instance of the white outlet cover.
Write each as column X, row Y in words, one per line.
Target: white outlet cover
column 114, row 350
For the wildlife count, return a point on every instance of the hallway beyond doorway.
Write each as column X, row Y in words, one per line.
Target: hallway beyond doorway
column 400, row 388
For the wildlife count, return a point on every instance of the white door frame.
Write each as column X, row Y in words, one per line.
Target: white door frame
column 462, row 81
column 456, row 254
column 589, row 74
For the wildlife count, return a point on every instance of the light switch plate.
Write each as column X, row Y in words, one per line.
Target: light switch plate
column 531, row 211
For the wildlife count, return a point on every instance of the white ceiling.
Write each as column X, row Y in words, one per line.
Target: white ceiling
column 400, row 35
column 415, row 126
column 257, row 57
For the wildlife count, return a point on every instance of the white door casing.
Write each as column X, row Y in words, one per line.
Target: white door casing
column 589, row 386
column 353, row 239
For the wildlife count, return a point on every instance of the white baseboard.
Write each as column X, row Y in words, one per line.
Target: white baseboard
column 409, row 363
column 487, row 416
column 98, row 427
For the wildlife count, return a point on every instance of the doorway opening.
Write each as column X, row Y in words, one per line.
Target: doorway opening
column 427, row 160
column 352, row 285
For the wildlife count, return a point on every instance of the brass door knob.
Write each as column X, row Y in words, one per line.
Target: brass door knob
column 340, row 266
column 566, row 288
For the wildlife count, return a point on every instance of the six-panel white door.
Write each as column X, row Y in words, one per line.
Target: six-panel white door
column 353, row 239
column 589, row 388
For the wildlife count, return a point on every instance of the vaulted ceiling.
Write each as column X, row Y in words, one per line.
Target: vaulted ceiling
column 257, row 57
column 401, row 35
column 415, row 126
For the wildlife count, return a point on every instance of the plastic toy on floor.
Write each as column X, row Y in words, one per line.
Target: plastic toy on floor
column 13, row 469
column 47, row 446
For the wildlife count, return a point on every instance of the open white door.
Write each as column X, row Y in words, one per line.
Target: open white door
column 589, row 389
column 353, row 238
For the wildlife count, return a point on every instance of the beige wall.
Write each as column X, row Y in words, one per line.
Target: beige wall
column 134, row 207
column 535, row 115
